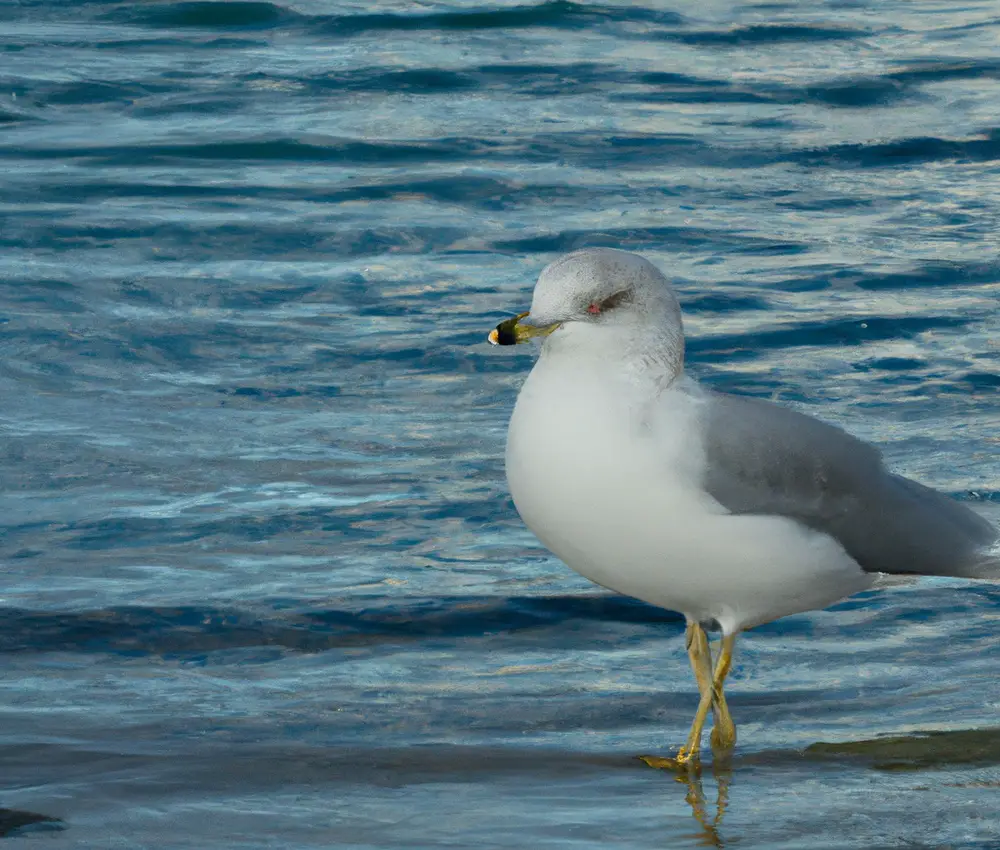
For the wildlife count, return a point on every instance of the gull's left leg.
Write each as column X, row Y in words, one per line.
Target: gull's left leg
column 724, row 730
column 700, row 656
column 701, row 664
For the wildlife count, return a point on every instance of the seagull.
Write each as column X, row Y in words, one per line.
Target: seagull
column 731, row 510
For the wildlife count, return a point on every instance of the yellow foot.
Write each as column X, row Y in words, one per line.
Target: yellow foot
column 681, row 763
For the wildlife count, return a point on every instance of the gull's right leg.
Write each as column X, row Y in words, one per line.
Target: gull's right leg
column 724, row 730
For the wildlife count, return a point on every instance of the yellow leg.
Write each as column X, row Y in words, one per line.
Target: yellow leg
column 724, row 730
column 712, row 697
column 693, row 744
column 701, row 664
column 700, row 656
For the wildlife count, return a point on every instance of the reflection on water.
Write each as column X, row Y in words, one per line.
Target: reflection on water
column 707, row 814
column 938, row 751
column 923, row 751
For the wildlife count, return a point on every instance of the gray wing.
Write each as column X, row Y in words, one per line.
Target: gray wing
column 766, row 459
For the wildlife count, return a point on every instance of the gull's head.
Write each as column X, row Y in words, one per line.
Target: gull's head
column 608, row 302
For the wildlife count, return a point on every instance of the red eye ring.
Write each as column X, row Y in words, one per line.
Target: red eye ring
column 594, row 309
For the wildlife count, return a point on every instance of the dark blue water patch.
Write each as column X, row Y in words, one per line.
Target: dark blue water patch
column 377, row 154
column 12, row 115
column 469, row 190
column 857, row 93
column 547, row 80
column 893, row 86
column 17, row 822
column 36, row 8
column 261, row 297
column 277, row 766
column 580, row 148
column 620, row 150
column 281, row 393
column 60, row 353
column 891, row 364
column 146, row 45
column 230, row 241
column 52, row 294
column 648, row 237
column 482, row 515
column 986, row 382
column 574, row 79
column 197, row 630
column 929, row 273
column 526, row 79
column 554, row 14
column 888, row 610
column 859, row 331
column 669, row 78
column 94, row 92
column 823, row 203
column 683, row 88
column 861, row 93
column 759, row 35
column 936, row 70
column 230, row 15
column 197, row 104
column 559, row 14
column 723, row 303
column 474, row 191
column 909, row 151
column 414, row 81
column 426, row 81
column 680, row 93
column 35, row 530
column 25, row 298
column 130, row 630
column 587, row 149
column 136, row 532
column 453, row 359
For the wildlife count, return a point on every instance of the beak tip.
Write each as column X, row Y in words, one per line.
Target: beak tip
column 511, row 331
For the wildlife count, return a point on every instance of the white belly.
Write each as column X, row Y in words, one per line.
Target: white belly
column 614, row 492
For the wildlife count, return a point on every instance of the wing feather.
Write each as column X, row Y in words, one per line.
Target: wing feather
column 770, row 460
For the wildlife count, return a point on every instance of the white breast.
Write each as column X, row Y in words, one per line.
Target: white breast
column 607, row 476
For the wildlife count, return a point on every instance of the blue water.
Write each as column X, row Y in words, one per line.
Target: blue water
column 263, row 585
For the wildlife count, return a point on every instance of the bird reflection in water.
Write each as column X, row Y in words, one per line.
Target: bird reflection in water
column 690, row 775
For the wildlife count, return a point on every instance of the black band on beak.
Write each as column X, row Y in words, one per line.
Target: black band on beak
column 505, row 331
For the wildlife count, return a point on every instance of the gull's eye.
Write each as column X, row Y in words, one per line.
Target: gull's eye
column 609, row 303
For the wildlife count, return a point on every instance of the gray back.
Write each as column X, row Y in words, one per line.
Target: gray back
column 767, row 459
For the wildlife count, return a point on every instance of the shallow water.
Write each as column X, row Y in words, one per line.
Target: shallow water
column 263, row 585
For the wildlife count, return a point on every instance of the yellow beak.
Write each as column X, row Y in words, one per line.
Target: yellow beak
column 511, row 332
